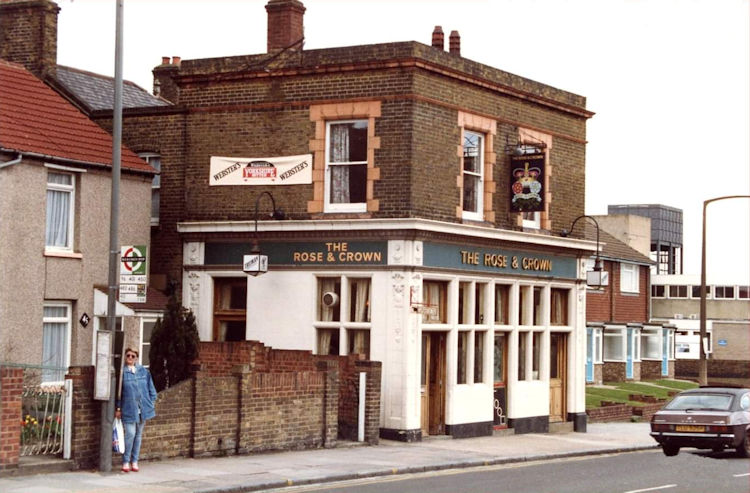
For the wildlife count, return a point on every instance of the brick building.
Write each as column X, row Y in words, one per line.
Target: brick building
column 396, row 166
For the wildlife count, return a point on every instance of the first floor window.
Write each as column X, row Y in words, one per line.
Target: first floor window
column 473, row 181
column 678, row 291
column 658, row 291
column 629, row 278
column 59, row 213
column 724, row 292
column 743, row 292
column 230, row 308
column 155, row 161
column 532, row 220
column 346, row 165
column 55, row 340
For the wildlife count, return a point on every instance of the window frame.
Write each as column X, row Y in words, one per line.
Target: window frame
column 341, row 324
column 68, row 321
column 145, row 347
column 70, row 190
column 633, row 286
column 151, row 158
column 219, row 315
column 478, row 213
column 348, row 207
column 720, row 292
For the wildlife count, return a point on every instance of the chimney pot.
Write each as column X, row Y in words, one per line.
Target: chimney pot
column 454, row 42
column 176, row 60
column 285, row 24
column 165, row 60
column 438, row 38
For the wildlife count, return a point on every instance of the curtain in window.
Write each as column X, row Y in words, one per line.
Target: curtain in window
column 339, row 153
column 362, row 301
column 359, row 344
column 58, row 212
column 324, row 342
column 54, row 344
column 559, row 302
column 326, row 312
column 501, row 315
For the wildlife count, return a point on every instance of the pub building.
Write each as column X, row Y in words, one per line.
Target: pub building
column 424, row 196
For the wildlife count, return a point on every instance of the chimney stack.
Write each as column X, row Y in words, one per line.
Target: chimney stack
column 454, row 42
column 285, row 24
column 28, row 35
column 438, row 38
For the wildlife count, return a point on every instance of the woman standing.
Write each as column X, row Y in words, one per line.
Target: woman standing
column 135, row 406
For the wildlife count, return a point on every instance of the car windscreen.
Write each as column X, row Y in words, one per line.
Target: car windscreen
column 720, row 402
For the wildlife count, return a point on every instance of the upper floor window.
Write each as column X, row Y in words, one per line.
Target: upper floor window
column 695, row 291
column 60, row 210
column 155, row 161
column 724, row 292
column 473, row 180
column 678, row 291
column 346, row 166
column 658, row 291
column 743, row 292
column 629, row 278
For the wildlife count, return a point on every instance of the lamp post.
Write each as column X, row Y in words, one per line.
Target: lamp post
column 599, row 277
column 702, row 362
column 256, row 264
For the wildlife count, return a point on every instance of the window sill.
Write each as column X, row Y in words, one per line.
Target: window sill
column 62, row 254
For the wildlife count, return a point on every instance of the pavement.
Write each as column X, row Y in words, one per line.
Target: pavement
column 276, row 470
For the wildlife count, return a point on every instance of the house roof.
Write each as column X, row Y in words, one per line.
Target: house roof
column 97, row 91
column 36, row 119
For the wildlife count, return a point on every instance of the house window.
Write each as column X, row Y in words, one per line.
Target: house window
column 559, row 306
column 147, row 329
column 743, row 292
column 629, row 278
column 463, row 356
column 155, row 161
column 230, row 308
column 343, row 310
column 473, row 180
column 536, row 352
column 724, row 292
column 346, row 166
column 479, row 342
column 55, row 340
column 678, row 291
column 434, row 294
column 60, row 210
column 614, row 344
column 502, row 292
column 651, row 344
column 658, row 291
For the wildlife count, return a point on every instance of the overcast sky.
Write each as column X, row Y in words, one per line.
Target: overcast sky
column 669, row 81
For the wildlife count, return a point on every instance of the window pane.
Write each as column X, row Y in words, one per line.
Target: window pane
column 472, row 152
column 538, row 315
column 359, row 342
column 536, row 352
column 155, row 202
column 522, row 355
column 328, row 341
column 348, row 184
column 348, row 142
column 463, row 343
column 613, row 346
column 499, row 358
column 55, row 342
column 743, row 292
column 464, row 310
column 471, row 193
column 60, row 179
column 148, row 329
column 434, row 296
column 657, row 291
column 559, row 308
column 501, row 304
column 479, row 291
column 479, row 356
column 329, row 293
column 359, row 300
column 58, row 218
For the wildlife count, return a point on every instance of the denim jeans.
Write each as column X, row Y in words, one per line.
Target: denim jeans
column 133, row 433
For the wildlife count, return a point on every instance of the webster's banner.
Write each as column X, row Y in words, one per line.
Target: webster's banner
column 527, row 183
column 288, row 170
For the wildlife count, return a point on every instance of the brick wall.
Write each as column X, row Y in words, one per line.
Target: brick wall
column 86, row 419
column 28, row 35
column 618, row 412
column 688, row 369
column 612, row 305
column 169, row 434
column 11, row 388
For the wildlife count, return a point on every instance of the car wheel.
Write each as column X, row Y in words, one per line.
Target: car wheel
column 744, row 449
column 670, row 450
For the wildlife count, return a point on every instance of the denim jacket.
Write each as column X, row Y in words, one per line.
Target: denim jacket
column 138, row 395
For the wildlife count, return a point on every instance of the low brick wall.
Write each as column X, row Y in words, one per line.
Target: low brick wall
column 647, row 410
column 617, row 412
column 87, row 417
column 11, row 387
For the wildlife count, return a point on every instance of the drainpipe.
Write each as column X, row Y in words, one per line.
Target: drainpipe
column 11, row 163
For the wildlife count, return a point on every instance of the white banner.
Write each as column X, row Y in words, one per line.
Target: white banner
column 289, row 170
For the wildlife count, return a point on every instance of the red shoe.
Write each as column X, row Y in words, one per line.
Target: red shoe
column 134, row 467
column 126, row 467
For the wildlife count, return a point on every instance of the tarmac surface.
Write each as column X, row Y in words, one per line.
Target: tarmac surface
column 276, row 470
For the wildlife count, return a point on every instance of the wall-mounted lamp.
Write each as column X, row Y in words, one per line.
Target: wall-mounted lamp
column 256, row 264
column 598, row 277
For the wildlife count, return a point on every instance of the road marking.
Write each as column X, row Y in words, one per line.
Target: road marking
column 665, row 486
column 741, row 475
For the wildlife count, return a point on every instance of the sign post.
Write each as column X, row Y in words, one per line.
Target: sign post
column 133, row 273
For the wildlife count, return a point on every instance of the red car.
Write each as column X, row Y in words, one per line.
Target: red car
column 709, row 418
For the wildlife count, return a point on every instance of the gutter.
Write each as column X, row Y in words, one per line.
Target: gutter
column 11, row 163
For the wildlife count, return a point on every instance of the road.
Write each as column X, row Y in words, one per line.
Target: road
column 692, row 471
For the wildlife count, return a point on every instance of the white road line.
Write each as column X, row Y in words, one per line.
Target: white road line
column 664, row 487
column 741, row 475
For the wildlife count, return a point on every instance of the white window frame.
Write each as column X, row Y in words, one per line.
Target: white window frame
column 152, row 158
column 532, row 220
column 144, row 346
column 352, row 207
column 478, row 213
column 724, row 288
column 598, row 348
column 630, row 283
column 615, row 333
column 740, row 294
column 344, row 325
column 71, row 191
column 67, row 320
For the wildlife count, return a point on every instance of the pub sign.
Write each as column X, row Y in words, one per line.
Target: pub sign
column 527, row 182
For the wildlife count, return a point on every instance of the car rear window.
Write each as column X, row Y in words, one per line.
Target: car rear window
column 719, row 402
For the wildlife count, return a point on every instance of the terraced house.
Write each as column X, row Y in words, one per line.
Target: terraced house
column 423, row 196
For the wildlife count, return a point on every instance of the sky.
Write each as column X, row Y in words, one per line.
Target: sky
column 668, row 81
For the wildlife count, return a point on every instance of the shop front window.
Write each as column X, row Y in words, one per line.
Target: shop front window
column 343, row 309
column 230, row 308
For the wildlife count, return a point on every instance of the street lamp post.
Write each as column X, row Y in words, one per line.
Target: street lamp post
column 599, row 277
column 256, row 264
column 702, row 363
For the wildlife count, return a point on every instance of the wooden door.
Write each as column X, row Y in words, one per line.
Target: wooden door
column 433, row 383
column 500, row 400
column 558, row 363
